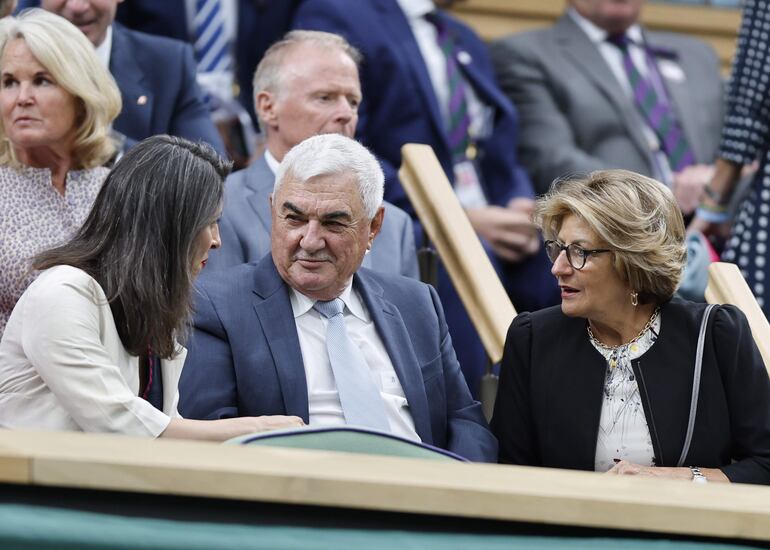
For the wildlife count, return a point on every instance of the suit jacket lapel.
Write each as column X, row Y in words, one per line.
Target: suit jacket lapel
column 584, row 53
column 404, row 42
column 273, row 309
column 257, row 174
column 135, row 117
column 392, row 330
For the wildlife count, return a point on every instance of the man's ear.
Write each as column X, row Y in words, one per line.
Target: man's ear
column 376, row 225
column 264, row 105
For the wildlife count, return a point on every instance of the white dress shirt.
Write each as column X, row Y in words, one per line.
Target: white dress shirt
column 614, row 59
column 272, row 163
column 104, row 50
column 323, row 399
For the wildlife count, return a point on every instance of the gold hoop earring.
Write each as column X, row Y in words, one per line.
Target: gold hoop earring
column 634, row 298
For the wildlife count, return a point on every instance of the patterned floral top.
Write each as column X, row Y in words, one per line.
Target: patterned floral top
column 623, row 430
column 35, row 217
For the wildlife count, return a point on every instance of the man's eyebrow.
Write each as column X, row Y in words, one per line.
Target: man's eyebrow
column 293, row 207
column 337, row 214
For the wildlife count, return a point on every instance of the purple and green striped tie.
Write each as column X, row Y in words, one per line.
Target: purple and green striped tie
column 656, row 112
column 459, row 119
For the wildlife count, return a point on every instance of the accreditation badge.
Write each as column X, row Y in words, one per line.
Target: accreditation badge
column 467, row 185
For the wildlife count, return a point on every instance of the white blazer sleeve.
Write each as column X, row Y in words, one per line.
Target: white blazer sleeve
column 62, row 332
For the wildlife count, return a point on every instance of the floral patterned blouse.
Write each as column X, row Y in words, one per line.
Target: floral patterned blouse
column 35, row 217
column 623, row 430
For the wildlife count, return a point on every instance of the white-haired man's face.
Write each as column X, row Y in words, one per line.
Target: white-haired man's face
column 320, row 233
column 319, row 93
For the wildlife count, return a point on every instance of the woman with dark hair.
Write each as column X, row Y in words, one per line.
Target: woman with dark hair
column 92, row 343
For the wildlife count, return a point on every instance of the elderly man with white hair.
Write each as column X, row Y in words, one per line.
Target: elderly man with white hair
column 308, row 332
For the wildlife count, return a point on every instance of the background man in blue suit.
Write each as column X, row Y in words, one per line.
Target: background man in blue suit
column 156, row 76
column 258, row 23
column 410, row 92
column 261, row 345
column 306, row 84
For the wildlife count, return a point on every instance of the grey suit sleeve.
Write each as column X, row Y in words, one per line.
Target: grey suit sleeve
column 547, row 145
column 409, row 266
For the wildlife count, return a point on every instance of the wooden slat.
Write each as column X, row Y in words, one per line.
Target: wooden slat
column 727, row 286
column 14, row 467
column 461, row 252
column 320, row 478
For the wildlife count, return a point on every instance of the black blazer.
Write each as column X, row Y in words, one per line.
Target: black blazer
column 551, row 382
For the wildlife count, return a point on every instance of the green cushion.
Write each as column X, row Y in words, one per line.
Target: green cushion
column 345, row 439
column 25, row 527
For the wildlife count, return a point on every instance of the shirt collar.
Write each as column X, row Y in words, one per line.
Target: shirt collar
column 301, row 304
column 104, row 50
column 597, row 35
column 415, row 9
column 272, row 163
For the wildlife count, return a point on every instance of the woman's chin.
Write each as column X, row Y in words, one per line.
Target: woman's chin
column 571, row 309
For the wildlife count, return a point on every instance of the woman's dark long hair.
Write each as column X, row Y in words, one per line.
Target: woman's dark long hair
column 139, row 240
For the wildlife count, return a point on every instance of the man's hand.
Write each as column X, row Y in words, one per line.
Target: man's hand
column 688, row 186
column 509, row 231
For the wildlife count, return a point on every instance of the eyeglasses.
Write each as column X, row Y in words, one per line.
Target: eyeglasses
column 576, row 254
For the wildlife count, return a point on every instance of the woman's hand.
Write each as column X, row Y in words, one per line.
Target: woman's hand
column 251, row 424
column 227, row 428
column 624, row 467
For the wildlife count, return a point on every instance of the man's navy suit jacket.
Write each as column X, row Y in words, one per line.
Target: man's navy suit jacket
column 244, row 356
column 244, row 227
column 260, row 23
column 399, row 105
column 156, row 77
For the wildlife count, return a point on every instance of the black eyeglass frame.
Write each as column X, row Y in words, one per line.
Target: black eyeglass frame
column 566, row 248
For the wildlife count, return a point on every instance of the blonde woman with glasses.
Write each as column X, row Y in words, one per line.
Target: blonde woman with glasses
column 612, row 380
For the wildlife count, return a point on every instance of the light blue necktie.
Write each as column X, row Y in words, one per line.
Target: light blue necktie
column 211, row 45
column 359, row 396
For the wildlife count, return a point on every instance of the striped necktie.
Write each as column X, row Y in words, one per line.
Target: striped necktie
column 656, row 111
column 459, row 119
column 360, row 397
column 212, row 49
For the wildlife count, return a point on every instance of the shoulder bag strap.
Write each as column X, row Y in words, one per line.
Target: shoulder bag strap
column 695, row 384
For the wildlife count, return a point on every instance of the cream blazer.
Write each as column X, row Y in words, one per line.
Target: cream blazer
column 63, row 366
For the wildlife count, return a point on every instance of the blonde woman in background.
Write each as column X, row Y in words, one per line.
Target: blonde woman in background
column 56, row 105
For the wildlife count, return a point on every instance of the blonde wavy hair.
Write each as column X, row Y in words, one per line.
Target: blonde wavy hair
column 636, row 216
column 67, row 54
